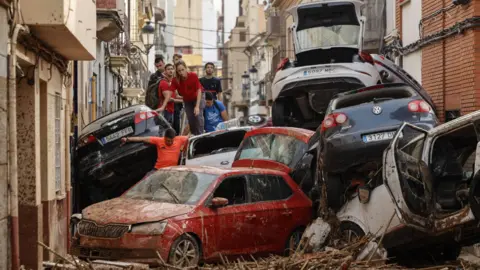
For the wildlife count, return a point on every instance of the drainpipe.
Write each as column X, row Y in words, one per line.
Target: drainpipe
column 12, row 146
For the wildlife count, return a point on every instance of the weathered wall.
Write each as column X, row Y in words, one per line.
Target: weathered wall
column 44, row 107
column 449, row 68
column 4, row 230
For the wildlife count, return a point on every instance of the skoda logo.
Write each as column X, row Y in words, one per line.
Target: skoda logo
column 377, row 110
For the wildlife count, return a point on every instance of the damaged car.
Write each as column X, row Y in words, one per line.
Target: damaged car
column 280, row 148
column 427, row 203
column 328, row 40
column 358, row 127
column 189, row 215
column 216, row 148
column 104, row 169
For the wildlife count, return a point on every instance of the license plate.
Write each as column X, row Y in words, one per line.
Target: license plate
column 381, row 136
column 315, row 71
column 117, row 135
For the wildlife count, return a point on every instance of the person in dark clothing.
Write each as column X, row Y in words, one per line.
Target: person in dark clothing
column 210, row 83
column 160, row 66
column 178, row 105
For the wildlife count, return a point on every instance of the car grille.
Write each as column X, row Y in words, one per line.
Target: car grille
column 90, row 228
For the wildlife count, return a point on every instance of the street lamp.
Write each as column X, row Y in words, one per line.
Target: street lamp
column 253, row 74
column 245, row 78
column 148, row 35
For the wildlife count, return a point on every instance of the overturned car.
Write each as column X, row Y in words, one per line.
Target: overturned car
column 328, row 39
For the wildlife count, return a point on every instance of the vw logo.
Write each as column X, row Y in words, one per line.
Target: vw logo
column 114, row 127
column 377, row 110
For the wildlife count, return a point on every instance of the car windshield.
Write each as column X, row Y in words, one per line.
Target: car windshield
column 172, row 186
column 281, row 148
column 328, row 36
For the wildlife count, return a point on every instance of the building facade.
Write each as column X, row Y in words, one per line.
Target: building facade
column 36, row 101
column 439, row 43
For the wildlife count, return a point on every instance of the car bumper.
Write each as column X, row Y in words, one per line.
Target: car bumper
column 130, row 247
column 341, row 152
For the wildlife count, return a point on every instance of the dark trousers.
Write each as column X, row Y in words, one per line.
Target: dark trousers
column 196, row 123
column 176, row 117
column 169, row 117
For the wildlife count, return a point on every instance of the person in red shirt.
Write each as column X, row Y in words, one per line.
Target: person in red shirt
column 188, row 86
column 168, row 148
column 167, row 96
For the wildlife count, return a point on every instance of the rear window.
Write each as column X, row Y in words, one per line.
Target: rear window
column 376, row 95
column 216, row 143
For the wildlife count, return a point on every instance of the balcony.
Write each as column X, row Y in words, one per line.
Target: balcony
column 109, row 22
column 66, row 26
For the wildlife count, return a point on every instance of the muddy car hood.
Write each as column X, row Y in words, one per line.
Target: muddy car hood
column 130, row 211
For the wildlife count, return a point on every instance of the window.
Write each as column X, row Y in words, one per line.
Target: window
column 243, row 36
column 241, row 24
column 233, row 189
column 265, row 188
column 170, row 186
column 58, row 159
column 281, row 148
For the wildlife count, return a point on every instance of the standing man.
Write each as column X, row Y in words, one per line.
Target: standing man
column 152, row 98
column 167, row 96
column 168, row 147
column 188, row 86
column 210, row 83
column 160, row 68
column 214, row 112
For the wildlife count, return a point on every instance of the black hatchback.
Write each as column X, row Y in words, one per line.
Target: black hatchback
column 358, row 126
column 104, row 169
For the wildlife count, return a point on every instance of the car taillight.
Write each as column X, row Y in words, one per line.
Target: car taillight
column 333, row 120
column 142, row 116
column 86, row 140
column 282, row 64
column 418, row 106
column 367, row 57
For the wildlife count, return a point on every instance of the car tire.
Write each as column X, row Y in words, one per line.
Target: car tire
column 185, row 245
column 293, row 241
column 278, row 113
column 349, row 229
column 335, row 190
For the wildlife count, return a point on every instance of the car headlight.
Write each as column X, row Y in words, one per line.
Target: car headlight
column 155, row 228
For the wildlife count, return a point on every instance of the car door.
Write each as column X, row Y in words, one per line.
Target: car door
column 409, row 180
column 404, row 177
column 234, row 222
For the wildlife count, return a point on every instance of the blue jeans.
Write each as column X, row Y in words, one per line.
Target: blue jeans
column 169, row 117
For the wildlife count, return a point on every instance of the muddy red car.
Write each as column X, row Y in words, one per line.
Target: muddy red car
column 281, row 148
column 189, row 215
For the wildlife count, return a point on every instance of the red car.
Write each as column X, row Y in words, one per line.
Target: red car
column 189, row 215
column 280, row 148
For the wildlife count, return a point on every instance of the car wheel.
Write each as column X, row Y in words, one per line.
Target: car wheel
column 293, row 241
column 350, row 232
column 278, row 113
column 335, row 190
column 185, row 252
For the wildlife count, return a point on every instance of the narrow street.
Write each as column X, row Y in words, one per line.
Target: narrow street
column 239, row 134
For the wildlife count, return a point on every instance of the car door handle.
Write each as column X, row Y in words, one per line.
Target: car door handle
column 224, row 162
column 250, row 217
column 287, row 213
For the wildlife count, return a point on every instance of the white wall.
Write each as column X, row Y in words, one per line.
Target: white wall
column 411, row 15
column 209, row 37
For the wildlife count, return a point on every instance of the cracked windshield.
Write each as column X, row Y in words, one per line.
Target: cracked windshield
column 239, row 134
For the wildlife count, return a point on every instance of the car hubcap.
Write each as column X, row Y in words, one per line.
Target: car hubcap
column 294, row 241
column 350, row 236
column 185, row 254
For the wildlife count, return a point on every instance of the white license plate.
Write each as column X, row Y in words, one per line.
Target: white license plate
column 117, row 135
column 382, row 136
column 315, row 71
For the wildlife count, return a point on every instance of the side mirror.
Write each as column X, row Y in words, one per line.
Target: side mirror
column 218, row 202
